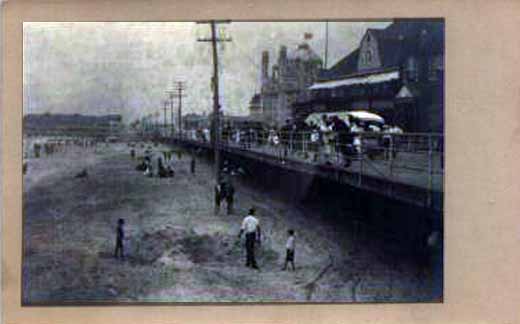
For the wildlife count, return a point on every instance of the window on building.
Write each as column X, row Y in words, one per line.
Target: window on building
column 369, row 56
column 432, row 71
column 435, row 68
column 412, row 70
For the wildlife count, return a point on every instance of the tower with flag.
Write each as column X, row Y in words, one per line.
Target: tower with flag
column 285, row 81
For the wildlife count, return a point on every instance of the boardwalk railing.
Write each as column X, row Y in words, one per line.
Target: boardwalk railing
column 415, row 159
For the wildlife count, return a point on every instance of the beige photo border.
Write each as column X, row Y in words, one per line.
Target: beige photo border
column 482, row 191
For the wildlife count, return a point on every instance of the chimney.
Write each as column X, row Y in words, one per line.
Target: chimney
column 265, row 65
column 275, row 73
column 283, row 54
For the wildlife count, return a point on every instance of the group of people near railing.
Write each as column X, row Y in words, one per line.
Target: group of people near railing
column 333, row 138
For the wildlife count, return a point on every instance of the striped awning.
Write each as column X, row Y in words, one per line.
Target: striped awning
column 359, row 79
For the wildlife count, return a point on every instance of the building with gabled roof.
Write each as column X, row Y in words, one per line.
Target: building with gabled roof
column 397, row 72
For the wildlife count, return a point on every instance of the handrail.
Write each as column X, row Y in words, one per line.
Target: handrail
column 414, row 158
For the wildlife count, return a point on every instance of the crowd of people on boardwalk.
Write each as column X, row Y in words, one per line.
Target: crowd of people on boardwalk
column 322, row 141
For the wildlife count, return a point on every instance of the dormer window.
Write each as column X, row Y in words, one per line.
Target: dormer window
column 369, row 56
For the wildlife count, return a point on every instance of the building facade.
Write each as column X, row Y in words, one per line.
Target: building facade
column 289, row 81
column 397, row 72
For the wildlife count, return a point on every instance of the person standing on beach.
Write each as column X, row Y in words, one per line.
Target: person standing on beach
column 120, row 236
column 251, row 227
column 289, row 248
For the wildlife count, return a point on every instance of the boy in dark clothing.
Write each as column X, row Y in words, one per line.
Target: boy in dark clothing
column 224, row 190
column 120, row 236
column 289, row 246
column 229, row 192
column 192, row 165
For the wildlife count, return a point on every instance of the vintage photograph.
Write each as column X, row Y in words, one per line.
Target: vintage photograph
column 230, row 161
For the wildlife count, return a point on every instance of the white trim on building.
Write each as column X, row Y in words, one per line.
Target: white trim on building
column 362, row 79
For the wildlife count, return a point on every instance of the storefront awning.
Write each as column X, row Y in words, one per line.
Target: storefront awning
column 315, row 118
column 355, row 80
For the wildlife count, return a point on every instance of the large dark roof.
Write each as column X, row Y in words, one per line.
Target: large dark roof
column 405, row 38
column 400, row 40
column 346, row 65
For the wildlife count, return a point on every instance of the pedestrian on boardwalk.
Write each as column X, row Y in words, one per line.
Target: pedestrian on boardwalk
column 120, row 236
column 251, row 227
column 327, row 136
column 286, row 139
column 289, row 249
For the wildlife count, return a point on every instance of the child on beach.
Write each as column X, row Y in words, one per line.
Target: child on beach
column 289, row 246
column 120, row 236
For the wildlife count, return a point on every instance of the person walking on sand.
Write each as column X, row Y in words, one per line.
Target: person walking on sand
column 192, row 164
column 251, row 227
column 289, row 248
column 120, row 236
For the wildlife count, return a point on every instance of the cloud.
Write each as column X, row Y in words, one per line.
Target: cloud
column 126, row 68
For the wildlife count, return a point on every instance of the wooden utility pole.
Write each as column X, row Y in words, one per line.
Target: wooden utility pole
column 171, row 93
column 180, row 88
column 216, row 105
column 326, row 43
column 165, row 107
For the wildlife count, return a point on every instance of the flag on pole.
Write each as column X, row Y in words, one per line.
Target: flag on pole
column 307, row 36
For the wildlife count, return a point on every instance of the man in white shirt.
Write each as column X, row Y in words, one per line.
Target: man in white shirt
column 251, row 227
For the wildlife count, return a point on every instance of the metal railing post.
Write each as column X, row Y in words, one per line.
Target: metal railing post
column 360, row 156
column 430, row 171
column 391, row 148
column 304, row 145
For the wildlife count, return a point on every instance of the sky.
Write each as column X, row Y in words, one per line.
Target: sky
column 126, row 68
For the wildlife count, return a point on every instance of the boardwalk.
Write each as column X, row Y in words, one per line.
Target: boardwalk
column 414, row 175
